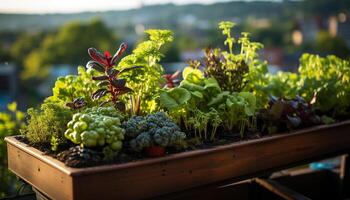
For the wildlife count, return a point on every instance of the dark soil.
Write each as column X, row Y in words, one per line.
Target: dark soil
column 75, row 156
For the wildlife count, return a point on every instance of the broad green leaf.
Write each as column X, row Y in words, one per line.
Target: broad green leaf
column 191, row 86
column 197, row 94
column 211, row 84
column 174, row 98
column 220, row 98
column 192, row 75
column 250, row 98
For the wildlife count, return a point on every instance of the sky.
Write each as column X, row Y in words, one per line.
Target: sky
column 71, row 6
column 68, row 6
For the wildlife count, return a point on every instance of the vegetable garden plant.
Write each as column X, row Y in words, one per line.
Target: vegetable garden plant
column 123, row 109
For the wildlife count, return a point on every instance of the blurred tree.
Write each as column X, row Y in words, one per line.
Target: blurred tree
column 68, row 46
column 10, row 123
column 171, row 53
column 4, row 56
column 327, row 44
column 325, row 7
column 24, row 44
column 271, row 36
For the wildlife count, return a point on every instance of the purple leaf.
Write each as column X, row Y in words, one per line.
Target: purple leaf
column 95, row 65
column 97, row 56
column 102, row 83
column 112, row 72
column 120, row 51
column 100, row 78
column 120, row 106
column 99, row 93
column 119, row 83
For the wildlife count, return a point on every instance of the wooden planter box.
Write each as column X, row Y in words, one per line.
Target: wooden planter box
column 158, row 176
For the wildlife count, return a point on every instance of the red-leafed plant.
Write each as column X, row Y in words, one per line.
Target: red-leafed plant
column 171, row 79
column 109, row 82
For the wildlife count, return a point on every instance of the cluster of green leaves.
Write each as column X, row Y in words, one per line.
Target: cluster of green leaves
column 235, row 109
column 282, row 84
column 145, row 82
column 200, row 105
column 46, row 126
column 68, row 88
column 236, row 72
column 328, row 81
column 323, row 81
column 10, row 123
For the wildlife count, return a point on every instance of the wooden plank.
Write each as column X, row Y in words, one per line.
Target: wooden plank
column 345, row 175
column 159, row 176
column 280, row 190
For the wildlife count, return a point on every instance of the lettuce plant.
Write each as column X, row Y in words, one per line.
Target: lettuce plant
column 327, row 81
column 235, row 109
column 69, row 88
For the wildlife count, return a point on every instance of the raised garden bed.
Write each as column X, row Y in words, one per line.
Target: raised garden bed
column 158, row 176
column 216, row 123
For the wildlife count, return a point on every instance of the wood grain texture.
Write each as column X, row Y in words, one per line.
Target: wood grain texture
column 280, row 190
column 158, row 176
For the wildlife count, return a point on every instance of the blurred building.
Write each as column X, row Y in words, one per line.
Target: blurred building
column 45, row 88
column 8, row 84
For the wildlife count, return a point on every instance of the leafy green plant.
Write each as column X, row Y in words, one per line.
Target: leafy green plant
column 236, row 109
column 189, row 99
column 96, row 127
column 236, row 72
column 146, row 82
column 109, row 82
column 153, row 130
column 226, row 68
column 327, row 81
column 282, row 85
column 10, row 123
column 47, row 124
column 70, row 87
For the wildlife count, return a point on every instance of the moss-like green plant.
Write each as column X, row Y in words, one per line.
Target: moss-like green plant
column 47, row 124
